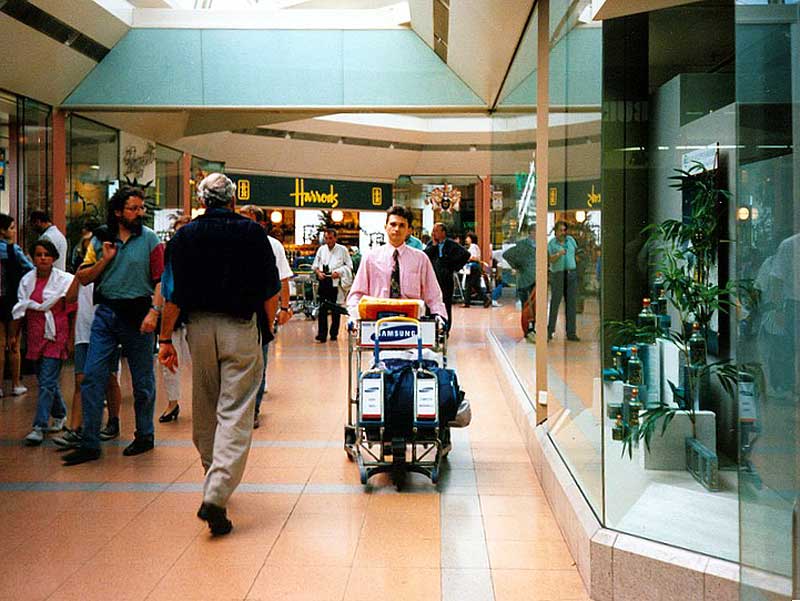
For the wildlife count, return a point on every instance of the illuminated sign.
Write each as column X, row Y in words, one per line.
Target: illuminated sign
column 243, row 189
column 309, row 193
column 329, row 200
column 575, row 195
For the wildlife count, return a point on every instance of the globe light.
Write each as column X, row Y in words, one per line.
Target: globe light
column 337, row 216
column 276, row 217
column 580, row 216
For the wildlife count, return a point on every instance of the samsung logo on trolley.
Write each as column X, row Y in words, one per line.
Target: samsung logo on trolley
column 395, row 333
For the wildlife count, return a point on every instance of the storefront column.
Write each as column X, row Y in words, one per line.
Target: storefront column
column 13, row 168
column 542, row 150
column 483, row 195
column 186, row 186
column 58, row 200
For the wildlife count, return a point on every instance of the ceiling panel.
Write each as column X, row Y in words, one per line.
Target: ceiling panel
column 23, row 72
column 88, row 17
column 482, row 39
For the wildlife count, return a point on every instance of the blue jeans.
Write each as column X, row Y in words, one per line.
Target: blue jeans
column 108, row 332
column 262, row 388
column 50, row 400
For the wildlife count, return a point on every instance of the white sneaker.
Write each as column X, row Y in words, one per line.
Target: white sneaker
column 18, row 390
column 35, row 437
column 495, row 303
column 57, row 424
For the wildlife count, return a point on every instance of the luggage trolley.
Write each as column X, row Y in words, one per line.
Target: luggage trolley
column 305, row 281
column 371, row 439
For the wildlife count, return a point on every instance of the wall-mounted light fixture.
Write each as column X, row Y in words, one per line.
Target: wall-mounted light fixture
column 743, row 214
column 580, row 216
column 276, row 217
column 337, row 216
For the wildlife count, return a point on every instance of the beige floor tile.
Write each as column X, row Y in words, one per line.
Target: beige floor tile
column 404, row 503
column 331, row 504
column 347, row 525
column 514, row 505
column 394, row 584
column 538, row 585
column 299, row 583
column 529, row 555
column 207, row 582
column 299, row 550
column 534, row 527
column 399, row 525
column 100, row 581
column 34, row 578
column 409, row 551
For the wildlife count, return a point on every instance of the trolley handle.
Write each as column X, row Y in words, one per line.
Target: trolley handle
column 385, row 320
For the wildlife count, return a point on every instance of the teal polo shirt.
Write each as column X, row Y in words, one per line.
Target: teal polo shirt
column 567, row 261
column 134, row 271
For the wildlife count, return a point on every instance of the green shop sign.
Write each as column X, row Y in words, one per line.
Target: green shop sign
column 307, row 193
column 571, row 196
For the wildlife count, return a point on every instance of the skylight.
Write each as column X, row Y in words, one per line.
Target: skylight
column 262, row 14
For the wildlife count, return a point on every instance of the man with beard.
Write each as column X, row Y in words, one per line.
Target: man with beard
column 125, row 260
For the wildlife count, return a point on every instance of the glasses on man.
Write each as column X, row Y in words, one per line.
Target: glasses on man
column 136, row 209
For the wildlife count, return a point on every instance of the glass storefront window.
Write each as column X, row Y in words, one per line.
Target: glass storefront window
column 34, row 149
column 767, row 230
column 8, row 109
column 93, row 171
column 667, row 108
column 168, row 178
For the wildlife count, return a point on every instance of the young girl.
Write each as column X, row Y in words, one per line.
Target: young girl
column 47, row 297
column 13, row 265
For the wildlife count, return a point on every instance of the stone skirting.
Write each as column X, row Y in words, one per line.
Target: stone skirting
column 614, row 566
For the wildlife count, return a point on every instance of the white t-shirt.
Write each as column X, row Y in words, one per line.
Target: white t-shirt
column 60, row 242
column 281, row 262
column 475, row 251
column 334, row 259
column 85, row 314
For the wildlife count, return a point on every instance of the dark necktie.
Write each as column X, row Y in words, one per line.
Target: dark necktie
column 394, row 290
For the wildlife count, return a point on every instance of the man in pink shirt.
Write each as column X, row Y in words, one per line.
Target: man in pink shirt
column 396, row 270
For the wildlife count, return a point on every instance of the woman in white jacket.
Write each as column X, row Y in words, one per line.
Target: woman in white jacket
column 46, row 298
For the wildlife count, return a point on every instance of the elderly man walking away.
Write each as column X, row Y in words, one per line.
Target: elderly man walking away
column 124, row 260
column 220, row 272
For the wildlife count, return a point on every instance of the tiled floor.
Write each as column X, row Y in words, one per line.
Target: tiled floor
column 304, row 527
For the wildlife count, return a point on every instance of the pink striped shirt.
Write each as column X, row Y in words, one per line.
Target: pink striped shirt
column 417, row 279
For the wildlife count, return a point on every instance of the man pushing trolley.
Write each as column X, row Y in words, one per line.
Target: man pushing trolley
column 401, row 407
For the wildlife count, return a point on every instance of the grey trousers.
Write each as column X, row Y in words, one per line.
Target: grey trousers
column 226, row 373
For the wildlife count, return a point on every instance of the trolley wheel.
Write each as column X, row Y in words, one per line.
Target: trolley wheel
column 363, row 473
column 435, row 475
column 349, row 435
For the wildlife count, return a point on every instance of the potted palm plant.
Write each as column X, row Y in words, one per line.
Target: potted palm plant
column 687, row 254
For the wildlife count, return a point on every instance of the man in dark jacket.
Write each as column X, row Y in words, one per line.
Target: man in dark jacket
column 220, row 273
column 447, row 257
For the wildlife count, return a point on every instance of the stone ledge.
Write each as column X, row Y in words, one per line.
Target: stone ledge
column 615, row 566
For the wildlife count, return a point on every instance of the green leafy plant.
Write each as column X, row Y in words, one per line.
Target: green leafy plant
column 687, row 252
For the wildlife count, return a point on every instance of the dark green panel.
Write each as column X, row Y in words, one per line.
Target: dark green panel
column 307, row 193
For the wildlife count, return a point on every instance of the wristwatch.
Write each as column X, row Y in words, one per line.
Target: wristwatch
column 285, row 308
column 165, row 341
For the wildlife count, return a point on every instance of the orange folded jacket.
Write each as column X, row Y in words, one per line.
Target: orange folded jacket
column 372, row 307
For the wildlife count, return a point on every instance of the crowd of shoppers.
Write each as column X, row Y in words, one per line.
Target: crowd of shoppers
column 219, row 288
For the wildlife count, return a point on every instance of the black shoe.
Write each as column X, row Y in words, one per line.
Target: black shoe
column 333, row 338
column 573, row 338
column 319, row 339
column 217, row 519
column 171, row 415
column 487, row 302
column 256, row 422
column 549, row 336
column 81, row 455
column 111, row 430
column 140, row 444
